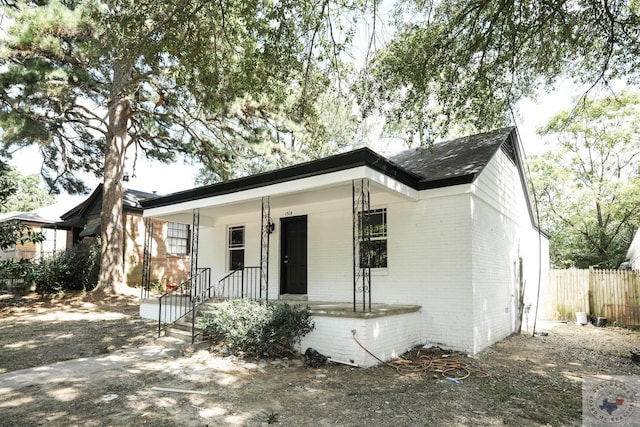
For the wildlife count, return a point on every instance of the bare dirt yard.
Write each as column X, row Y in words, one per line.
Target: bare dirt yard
column 531, row 381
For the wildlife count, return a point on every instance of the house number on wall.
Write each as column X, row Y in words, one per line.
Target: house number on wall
column 288, row 213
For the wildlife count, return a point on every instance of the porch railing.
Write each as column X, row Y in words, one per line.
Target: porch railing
column 180, row 301
column 243, row 283
column 183, row 301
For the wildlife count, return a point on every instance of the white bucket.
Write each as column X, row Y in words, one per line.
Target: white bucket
column 581, row 318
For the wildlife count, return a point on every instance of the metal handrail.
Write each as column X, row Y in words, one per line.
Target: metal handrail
column 180, row 301
column 187, row 297
column 244, row 282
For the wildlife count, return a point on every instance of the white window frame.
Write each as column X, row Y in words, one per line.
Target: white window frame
column 178, row 238
column 231, row 247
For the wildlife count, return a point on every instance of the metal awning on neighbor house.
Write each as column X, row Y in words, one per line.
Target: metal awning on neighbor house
column 91, row 228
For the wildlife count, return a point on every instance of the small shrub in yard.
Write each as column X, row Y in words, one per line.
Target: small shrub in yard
column 76, row 269
column 15, row 273
column 256, row 328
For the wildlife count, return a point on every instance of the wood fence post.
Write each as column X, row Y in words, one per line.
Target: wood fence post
column 592, row 292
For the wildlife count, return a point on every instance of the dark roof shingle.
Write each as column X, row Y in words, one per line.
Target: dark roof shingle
column 452, row 162
column 455, row 161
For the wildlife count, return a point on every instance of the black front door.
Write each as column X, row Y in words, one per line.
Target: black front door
column 293, row 255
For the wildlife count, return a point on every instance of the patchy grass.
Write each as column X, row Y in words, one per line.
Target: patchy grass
column 36, row 331
column 533, row 381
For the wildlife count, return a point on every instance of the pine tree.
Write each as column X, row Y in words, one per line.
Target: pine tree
column 88, row 80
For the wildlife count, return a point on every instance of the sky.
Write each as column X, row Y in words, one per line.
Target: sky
column 149, row 176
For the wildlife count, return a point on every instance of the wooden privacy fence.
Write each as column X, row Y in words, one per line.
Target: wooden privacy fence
column 614, row 294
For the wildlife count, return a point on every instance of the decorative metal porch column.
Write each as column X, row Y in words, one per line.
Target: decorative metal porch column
column 361, row 243
column 146, row 258
column 267, row 229
column 195, row 233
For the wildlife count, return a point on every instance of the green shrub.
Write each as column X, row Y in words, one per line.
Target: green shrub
column 256, row 328
column 13, row 272
column 14, row 269
column 76, row 269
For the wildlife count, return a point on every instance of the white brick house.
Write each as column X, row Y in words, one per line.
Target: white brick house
column 450, row 254
column 633, row 253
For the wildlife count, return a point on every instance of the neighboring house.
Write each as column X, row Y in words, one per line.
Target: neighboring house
column 169, row 261
column 449, row 253
column 633, row 254
column 39, row 220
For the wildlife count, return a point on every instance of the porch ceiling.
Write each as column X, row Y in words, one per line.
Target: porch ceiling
column 317, row 189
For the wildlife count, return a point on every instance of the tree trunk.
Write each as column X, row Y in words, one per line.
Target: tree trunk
column 111, row 279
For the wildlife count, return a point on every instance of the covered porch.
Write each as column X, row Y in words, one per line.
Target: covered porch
column 308, row 238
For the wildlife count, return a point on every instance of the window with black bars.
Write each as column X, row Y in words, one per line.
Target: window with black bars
column 373, row 253
column 236, row 247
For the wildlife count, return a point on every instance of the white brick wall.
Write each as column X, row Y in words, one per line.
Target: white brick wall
column 149, row 309
column 495, row 258
column 386, row 337
column 330, row 258
column 429, row 265
column 452, row 252
column 502, row 233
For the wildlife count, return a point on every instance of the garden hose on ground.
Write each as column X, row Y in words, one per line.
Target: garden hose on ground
column 450, row 369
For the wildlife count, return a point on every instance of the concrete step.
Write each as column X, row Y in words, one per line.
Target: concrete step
column 293, row 297
column 178, row 333
column 184, row 325
column 206, row 307
column 171, row 342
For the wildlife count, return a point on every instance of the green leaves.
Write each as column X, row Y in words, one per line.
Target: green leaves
column 75, row 269
column 19, row 193
column 192, row 71
column 468, row 62
column 588, row 187
column 256, row 328
column 16, row 232
column 28, row 194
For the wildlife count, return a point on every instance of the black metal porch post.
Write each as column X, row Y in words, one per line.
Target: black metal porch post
column 360, row 195
column 264, row 246
column 146, row 258
column 195, row 232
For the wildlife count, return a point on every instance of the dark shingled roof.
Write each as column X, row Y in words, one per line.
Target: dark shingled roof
column 130, row 202
column 453, row 162
column 25, row 216
column 87, row 214
column 457, row 161
column 132, row 198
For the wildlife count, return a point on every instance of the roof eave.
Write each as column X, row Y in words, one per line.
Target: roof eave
column 340, row 162
column 447, row 182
